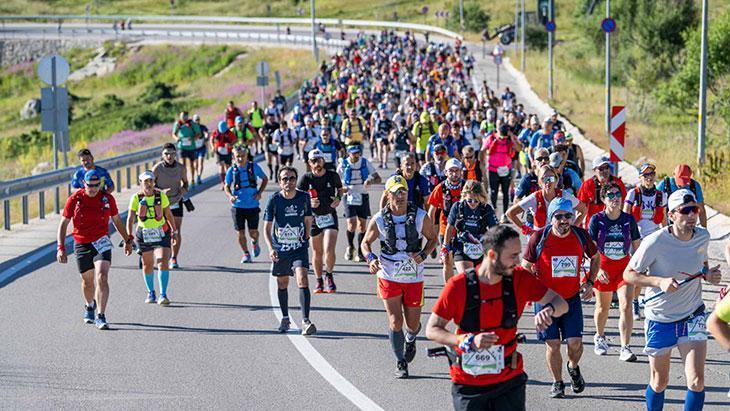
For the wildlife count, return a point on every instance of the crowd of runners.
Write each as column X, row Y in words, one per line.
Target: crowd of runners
column 467, row 175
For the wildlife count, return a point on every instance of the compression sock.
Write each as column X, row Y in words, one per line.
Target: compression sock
column 655, row 400
column 694, row 401
column 283, row 295
column 164, row 278
column 271, row 170
column 149, row 280
column 350, row 238
column 360, row 239
column 396, row 341
column 411, row 336
column 276, row 172
column 305, row 299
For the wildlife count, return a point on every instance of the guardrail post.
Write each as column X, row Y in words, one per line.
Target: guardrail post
column 24, row 208
column 57, row 200
column 6, row 214
column 118, row 185
column 129, row 177
column 137, row 170
column 42, row 205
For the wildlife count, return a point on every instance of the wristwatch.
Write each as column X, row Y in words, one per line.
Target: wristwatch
column 590, row 282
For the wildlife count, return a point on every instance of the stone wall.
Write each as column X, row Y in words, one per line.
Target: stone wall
column 15, row 51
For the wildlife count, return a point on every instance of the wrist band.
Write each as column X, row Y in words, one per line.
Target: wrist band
column 590, row 282
column 371, row 257
column 465, row 341
column 550, row 305
column 61, row 247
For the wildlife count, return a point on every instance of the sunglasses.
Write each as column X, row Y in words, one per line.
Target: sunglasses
column 613, row 195
column 468, row 157
column 314, row 160
column 549, row 179
column 566, row 216
column 543, row 158
column 472, row 201
column 604, row 168
column 93, row 185
column 652, row 174
column 288, row 179
column 169, row 153
column 689, row 210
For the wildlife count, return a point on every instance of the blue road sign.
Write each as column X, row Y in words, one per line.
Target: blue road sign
column 550, row 26
column 608, row 25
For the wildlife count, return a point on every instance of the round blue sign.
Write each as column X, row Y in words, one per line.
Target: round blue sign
column 608, row 25
column 550, row 26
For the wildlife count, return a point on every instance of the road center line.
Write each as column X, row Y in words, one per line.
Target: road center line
column 317, row 361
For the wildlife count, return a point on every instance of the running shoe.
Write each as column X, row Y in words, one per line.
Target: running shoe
column 151, row 298
column 173, row 263
column 410, row 352
column 577, row 383
column 359, row 258
column 349, row 253
column 101, row 322
column 308, row 328
column 200, row 180
column 626, row 354
column 163, row 300
column 246, row 258
column 284, row 325
column 331, row 287
column 89, row 312
column 600, row 345
column 401, row 369
column 319, row 288
column 558, row 390
column 256, row 248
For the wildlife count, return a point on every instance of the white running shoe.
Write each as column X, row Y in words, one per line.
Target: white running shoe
column 600, row 345
column 626, row 354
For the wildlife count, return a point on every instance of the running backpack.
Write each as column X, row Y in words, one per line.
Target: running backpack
column 471, row 321
column 237, row 177
column 348, row 168
column 545, row 232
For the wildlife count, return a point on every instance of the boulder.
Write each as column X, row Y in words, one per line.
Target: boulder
column 30, row 109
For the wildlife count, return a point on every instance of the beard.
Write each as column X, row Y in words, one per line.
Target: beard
column 563, row 227
column 500, row 269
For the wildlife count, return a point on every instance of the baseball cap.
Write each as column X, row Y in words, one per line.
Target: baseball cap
column 239, row 120
column 92, row 175
column 353, row 148
column 683, row 175
column 559, row 138
column 680, row 197
column 559, row 204
column 196, row 117
column 439, row 147
column 555, row 160
column 453, row 163
column 147, row 175
column 222, row 127
column 647, row 167
column 554, row 112
column 599, row 161
column 395, row 183
column 316, row 153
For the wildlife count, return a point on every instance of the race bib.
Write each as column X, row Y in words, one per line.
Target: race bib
column 503, row 171
column 186, row 141
column 614, row 250
column 152, row 235
column 354, row 199
column 405, row 269
column 103, row 244
column 273, row 147
column 174, row 206
column 697, row 328
column 473, row 251
column 484, row 361
column 199, row 143
column 288, row 235
column 327, row 157
column 223, row 150
column 565, row 266
column 324, row 221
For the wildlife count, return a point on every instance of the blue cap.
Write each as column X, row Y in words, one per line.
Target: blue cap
column 239, row 119
column 354, row 149
column 559, row 204
column 92, row 175
column 222, row 127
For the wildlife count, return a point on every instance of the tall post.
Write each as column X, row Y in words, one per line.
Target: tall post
column 517, row 25
column 550, row 51
column 461, row 15
column 608, row 82
column 522, row 37
column 315, row 52
column 701, row 118
column 57, row 192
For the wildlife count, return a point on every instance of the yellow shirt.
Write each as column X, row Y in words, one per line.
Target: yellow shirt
column 150, row 200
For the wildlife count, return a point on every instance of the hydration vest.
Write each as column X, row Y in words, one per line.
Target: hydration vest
column 348, row 130
column 471, row 321
column 237, row 177
column 327, row 148
column 289, row 133
column 483, row 211
column 603, row 223
column 413, row 241
column 157, row 205
column 474, row 172
column 668, row 187
column 348, row 168
column 545, row 232
column 636, row 207
column 449, row 200
column 434, row 179
column 541, row 207
column 401, row 140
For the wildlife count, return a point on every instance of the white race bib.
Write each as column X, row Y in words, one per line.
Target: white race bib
column 484, row 361
column 327, row 157
column 152, row 235
column 473, row 251
column 288, row 235
column 354, row 199
column 503, row 171
column 273, row 147
column 103, row 244
column 186, row 141
column 324, row 221
column 405, row 269
column 199, row 143
column 614, row 250
column 565, row 266
column 697, row 328
column 223, row 150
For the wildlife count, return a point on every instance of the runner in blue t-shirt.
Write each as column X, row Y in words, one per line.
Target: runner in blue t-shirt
column 87, row 163
column 287, row 227
column 244, row 194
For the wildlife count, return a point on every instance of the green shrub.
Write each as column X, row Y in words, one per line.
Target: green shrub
column 157, row 91
column 475, row 18
column 536, row 37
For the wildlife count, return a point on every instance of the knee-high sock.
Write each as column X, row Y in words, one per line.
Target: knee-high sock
column 283, row 295
column 164, row 279
column 360, row 238
column 694, row 400
column 350, row 238
column 305, row 298
column 149, row 281
column 397, row 339
column 654, row 400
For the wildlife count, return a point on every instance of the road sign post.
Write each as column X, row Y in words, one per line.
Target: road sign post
column 608, row 25
column 262, row 79
column 550, row 26
column 618, row 132
column 701, row 117
column 498, row 52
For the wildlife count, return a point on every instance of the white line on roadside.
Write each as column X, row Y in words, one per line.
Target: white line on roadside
column 317, row 361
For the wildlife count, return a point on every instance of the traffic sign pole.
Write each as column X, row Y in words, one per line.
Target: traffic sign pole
column 703, row 90
column 551, row 29
column 608, row 78
column 617, row 130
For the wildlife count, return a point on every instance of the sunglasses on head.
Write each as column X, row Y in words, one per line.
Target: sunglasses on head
column 543, row 158
column 288, row 179
column 566, row 216
column 613, row 194
column 686, row 210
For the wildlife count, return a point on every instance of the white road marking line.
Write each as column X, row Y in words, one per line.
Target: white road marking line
column 317, row 361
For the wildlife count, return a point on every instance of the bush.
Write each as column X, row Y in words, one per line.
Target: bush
column 110, row 102
column 475, row 18
column 142, row 120
column 16, row 146
column 536, row 37
column 157, row 91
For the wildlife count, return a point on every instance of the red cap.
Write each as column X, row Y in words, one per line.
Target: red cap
column 683, row 175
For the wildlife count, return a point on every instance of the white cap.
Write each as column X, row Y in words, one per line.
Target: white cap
column 147, row 175
column 680, row 197
column 453, row 163
column 316, row 153
column 196, row 117
column 600, row 160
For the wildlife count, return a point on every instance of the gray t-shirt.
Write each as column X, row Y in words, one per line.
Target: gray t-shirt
column 169, row 180
column 663, row 255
